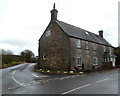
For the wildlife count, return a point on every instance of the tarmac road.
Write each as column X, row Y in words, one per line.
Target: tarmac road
column 21, row 79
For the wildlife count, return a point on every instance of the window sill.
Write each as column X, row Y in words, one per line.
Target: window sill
column 95, row 64
column 79, row 48
column 79, row 65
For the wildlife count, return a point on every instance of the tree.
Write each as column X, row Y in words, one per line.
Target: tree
column 7, row 52
column 27, row 55
column 117, row 53
column 7, row 56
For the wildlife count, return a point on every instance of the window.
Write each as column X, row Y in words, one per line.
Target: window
column 79, row 61
column 94, row 46
column 44, row 56
column 87, row 46
column 105, row 59
column 78, row 44
column 104, row 49
column 95, row 61
column 48, row 33
column 110, row 50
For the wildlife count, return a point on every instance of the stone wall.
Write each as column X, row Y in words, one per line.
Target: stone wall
column 86, row 54
column 55, row 47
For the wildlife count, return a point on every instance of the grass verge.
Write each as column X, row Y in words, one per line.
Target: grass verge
column 10, row 64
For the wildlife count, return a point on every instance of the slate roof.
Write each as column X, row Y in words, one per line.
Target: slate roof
column 77, row 32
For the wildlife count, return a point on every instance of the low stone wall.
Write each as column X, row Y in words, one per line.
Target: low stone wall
column 107, row 65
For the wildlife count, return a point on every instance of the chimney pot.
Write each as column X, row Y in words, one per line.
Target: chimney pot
column 101, row 33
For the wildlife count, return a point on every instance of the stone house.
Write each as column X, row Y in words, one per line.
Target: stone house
column 66, row 47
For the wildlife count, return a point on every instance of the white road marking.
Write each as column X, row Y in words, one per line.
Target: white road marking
column 75, row 89
column 17, row 82
column 1, row 92
column 14, row 72
column 36, row 83
column 28, row 84
column 102, row 80
column 12, row 88
column 39, row 76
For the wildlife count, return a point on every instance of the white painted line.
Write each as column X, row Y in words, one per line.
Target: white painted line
column 28, row 84
column 102, row 80
column 40, row 76
column 14, row 72
column 12, row 88
column 36, row 83
column 1, row 92
column 75, row 89
column 17, row 82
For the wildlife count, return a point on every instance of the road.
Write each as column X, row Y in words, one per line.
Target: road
column 21, row 79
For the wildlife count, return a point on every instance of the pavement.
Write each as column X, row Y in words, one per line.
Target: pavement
column 21, row 79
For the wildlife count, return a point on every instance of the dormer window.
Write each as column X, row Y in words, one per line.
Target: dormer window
column 48, row 33
column 87, row 45
column 78, row 43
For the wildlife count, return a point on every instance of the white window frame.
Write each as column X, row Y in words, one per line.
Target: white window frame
column 87, row 45
column 110, row 50
column 95, row 61
column 94, row 46
column 78, row 43
column 44, row 56
column 104, row 48
column 79, row 61
column 48, row 33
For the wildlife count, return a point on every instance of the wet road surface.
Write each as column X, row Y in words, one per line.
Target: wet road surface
column 21, row 79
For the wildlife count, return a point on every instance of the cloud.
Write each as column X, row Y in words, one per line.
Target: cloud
column 17, row 42
column 22, row 22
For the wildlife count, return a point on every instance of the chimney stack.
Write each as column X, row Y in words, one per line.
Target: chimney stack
column 101, row 33
column 54, row 13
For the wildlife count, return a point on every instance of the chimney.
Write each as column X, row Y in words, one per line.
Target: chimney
column 54, row 13
column 101, row 33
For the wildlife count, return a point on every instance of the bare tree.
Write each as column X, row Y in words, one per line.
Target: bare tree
column 7, row 52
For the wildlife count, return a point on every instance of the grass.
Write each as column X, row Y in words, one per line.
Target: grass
column 10, row 64
column 47, row 71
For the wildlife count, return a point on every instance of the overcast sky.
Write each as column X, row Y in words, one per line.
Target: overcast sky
column 22, row 22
